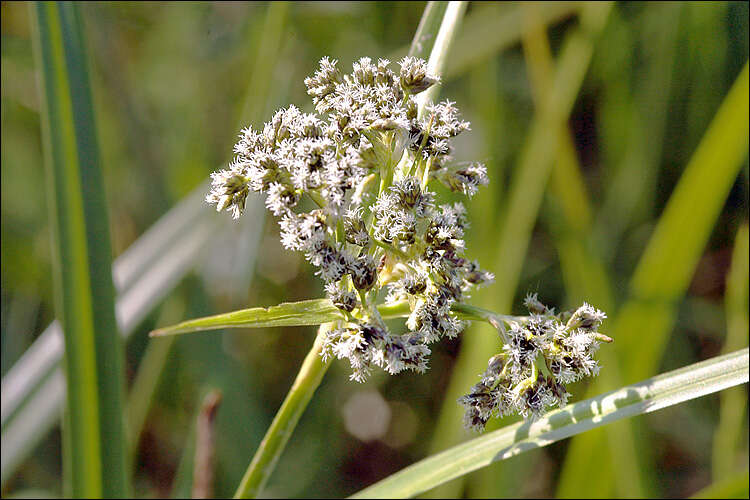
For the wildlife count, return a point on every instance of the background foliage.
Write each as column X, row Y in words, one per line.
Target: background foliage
column 171, row 83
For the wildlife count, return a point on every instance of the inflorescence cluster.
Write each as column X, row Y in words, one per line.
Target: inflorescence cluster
column 350, row 185
column 542, row 352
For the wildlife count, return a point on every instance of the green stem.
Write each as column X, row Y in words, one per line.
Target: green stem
column 308, row 379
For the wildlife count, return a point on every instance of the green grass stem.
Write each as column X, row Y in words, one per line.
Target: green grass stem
column 308, row 379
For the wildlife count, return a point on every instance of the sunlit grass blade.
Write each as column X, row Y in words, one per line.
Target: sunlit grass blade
column 302, row 313
column 39, row 412
column 732, row 419
column 94, row 432
column 520, row 212
column 429, row 24
column 443, row 40
column 653, row 394
column 664, row 271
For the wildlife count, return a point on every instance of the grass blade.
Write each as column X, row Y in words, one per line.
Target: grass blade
column 94, row 434
column 454, row 13
column 424, row 38
column 302, row 313
column 662, row 391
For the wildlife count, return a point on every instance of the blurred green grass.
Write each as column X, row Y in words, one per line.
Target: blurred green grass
column 169, row 83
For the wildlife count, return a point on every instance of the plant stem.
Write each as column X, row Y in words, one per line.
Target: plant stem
column 308, row 379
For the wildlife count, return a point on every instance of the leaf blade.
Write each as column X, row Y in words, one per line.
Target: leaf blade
column 94, row 434
column 658, row 392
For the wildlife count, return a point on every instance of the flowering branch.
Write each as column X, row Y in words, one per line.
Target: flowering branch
column 382, row 244
column 393, row 243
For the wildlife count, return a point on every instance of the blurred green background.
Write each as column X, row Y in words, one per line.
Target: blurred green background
column 173, row 82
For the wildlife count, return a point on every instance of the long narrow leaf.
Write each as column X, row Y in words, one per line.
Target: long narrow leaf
column 303, row 313
column 429, row 24
column 95, row 455
column 653, row 394
column 451, row 19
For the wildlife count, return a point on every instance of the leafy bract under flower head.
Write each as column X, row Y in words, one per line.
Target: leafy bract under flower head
column 375, row 232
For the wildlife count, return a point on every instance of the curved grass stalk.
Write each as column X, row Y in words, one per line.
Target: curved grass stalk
column 684, row 384
column 308, row 379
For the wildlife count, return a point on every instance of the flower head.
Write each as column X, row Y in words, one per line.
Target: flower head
column 540, row 355
column 365, row 163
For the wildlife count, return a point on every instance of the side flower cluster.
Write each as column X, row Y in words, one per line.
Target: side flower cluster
column 541, row 354
column 350, row 187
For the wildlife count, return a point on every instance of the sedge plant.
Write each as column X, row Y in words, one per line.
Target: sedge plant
column 353, row 187
column 350, row 186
